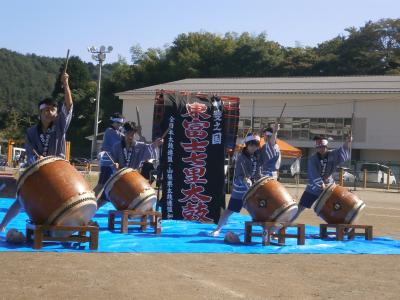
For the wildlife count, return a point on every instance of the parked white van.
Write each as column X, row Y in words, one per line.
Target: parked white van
column 377, row 173
column 18, row 153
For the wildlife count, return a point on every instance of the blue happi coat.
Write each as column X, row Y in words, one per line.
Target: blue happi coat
column 56, row 137
column 246, row 166
column 140, row 152
column 270, row 157
column 316, row 174
column 111, row 137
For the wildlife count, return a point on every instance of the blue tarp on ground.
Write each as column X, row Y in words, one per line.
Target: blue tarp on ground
column 191, row 237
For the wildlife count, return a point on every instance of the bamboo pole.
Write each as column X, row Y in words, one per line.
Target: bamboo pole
column 341, row 175
column 10, row 152
column 388, row 180
column 365, row 178
column 67, row 150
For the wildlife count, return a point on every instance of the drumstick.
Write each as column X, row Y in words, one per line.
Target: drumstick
column 116, row 165
column 65, row 66
column 66, row 62
column 109, row 156
column 33, row 149
column 166, row 131
column 34, row 152
column 280, row 117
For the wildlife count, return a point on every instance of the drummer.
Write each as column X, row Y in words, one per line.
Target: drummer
column 129, row 152
column 321, row 165
column 47, row 137
column 247, row 171
column 112, row 135
column 270, row 153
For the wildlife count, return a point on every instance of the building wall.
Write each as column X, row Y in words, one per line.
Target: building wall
column 145, row 111
column 376, row 125
column 377, row 117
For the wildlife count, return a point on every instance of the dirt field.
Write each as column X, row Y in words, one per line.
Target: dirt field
column 214, row 276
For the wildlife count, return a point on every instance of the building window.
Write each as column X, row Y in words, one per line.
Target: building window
column 299, row 129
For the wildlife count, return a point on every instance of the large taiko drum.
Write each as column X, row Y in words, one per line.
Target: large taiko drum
column 54, row 193
column 337, row 205
column 268, row 201
column 128, row 189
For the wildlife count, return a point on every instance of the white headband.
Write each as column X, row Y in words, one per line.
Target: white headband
column 251, row 137
column 268, row 133
column 117, row 120
column 44, row 105
column 321, row 143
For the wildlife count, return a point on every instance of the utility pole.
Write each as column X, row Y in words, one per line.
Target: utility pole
column 100, row 56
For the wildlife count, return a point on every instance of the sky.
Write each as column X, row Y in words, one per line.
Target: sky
column 50, row 27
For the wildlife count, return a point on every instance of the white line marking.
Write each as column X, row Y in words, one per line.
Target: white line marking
column 382, row 215
column 209, row 283
column 378, row 207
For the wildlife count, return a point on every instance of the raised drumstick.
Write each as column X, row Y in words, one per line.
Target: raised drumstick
column 66, row 62
column 280, row 117
column 65, row 65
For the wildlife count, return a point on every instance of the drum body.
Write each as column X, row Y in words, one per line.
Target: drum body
column 337, row 205
column 127, row 189
column 8, row 185
column 54, row 193
column 268, row 201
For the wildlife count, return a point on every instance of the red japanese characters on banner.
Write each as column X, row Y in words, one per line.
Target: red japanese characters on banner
column 195, row 126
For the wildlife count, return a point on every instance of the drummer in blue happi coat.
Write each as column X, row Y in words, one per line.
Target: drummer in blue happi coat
column 47, row 137
column 270, row 153
column 247, row 172
column 112, row 135
column 129, row 152
column 321, row 165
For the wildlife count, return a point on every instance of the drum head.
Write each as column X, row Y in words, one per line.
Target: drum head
column 34, row 167
column 110, row 182
column 354, row 214
column 78, row 212
column 288, row 214
column 320, row 202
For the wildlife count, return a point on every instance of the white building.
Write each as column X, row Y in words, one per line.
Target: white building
column 314, row 105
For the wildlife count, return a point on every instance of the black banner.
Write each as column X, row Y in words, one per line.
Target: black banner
column 193, row 154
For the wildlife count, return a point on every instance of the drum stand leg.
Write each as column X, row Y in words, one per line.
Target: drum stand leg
column 94, row 240
column 111, row 221
column 248, row 233
column 147, row 218
column 343, row 230
column 124, row 222
column 268, row 232
column 38, row 238
column 41, row 233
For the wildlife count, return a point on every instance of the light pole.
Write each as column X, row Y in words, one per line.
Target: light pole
column 100, row 56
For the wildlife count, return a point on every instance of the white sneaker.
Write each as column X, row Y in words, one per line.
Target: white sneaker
column 215, row 233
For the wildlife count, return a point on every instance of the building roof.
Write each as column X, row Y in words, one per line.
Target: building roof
column 279, row 85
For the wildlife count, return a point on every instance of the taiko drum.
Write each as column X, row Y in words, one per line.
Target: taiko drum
column 128, row 189
column 268, row 201
column 337, row 205
column 54, row 193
